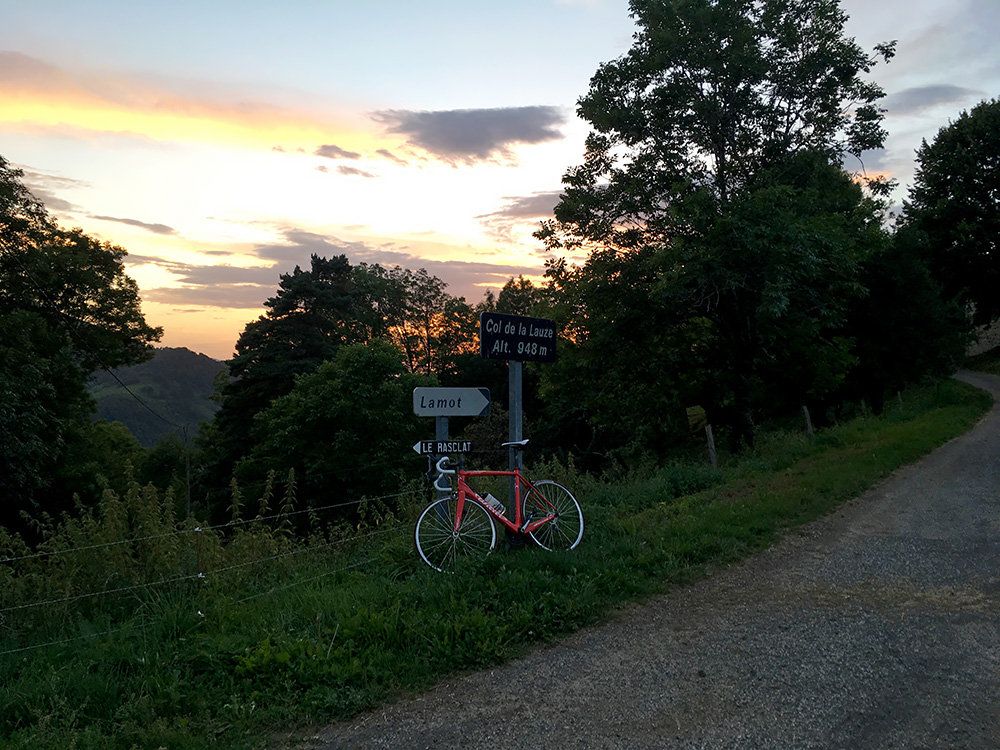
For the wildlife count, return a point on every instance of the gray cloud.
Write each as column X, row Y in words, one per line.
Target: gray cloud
column 42, row 186
column 154, row 228
column 52, row 202
column 351, row 171
column 330, row 151
column 920, row 98
column 537, row 206
column 300, row 244
column 385, row 153
column 470, row 135
column 239, row 296
column 518, row 212
column 876, row 160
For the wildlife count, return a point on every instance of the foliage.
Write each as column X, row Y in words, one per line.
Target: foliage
column 713, row 169
column 414, row 313
column 346, row 429
column 955, row 204
column 313, row 314
column 66, row 308
column 904, row 330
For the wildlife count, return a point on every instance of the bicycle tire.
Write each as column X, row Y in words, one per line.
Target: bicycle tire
column 437, row 542
column 565, row 530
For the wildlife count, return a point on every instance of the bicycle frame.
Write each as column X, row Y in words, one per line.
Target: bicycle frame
column 522, row 486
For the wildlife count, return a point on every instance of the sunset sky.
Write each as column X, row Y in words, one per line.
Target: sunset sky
column 222, row 143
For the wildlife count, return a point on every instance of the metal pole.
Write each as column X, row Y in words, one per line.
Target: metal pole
column 516, row 422
column 441, row 433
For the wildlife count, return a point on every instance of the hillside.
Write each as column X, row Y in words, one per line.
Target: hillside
column 175, row 383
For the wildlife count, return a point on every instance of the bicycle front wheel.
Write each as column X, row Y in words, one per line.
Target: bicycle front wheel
column 565, row 530
column 440, row 545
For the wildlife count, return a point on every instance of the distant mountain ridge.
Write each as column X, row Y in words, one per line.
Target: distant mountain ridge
column 176, row 383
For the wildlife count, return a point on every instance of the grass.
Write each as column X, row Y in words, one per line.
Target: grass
column 320, row 631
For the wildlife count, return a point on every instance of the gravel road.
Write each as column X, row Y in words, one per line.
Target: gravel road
column 875, row 627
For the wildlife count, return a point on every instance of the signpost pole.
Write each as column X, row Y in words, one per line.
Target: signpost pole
column 516, row 426
column 440, row 433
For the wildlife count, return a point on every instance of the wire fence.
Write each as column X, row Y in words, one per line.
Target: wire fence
column 224, row 559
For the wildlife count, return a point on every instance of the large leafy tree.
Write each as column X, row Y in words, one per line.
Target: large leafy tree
column 955, row 203
column 703, row 136
column 67, row 308
column 312, row 315
column 412, row 310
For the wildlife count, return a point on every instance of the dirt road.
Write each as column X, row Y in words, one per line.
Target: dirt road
column 875, row 627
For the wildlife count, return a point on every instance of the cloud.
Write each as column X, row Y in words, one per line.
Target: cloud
column 352, row 171
column 42, row 185
column 385, row 153
column 52, row 202
column 235, row 296
column 520, row 214
column 536, row 206
column 239, row 287
column 330, row 151
column 468, row 136
column 39, row 95
column 154, row 228
column 918, row 99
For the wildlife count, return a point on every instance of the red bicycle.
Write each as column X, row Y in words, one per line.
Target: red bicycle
column 464, row 522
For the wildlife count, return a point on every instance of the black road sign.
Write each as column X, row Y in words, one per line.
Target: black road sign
column 516, row 337
column 442, row 447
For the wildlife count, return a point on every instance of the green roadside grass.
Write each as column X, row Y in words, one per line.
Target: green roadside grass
column 319, row 636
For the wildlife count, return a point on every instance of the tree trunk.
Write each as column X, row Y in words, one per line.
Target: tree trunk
column 742, row 423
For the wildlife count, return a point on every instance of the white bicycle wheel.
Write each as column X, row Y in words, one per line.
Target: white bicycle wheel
column 565, row 530
column 441, row 546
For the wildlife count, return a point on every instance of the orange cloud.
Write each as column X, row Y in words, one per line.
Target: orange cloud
column 34, row 94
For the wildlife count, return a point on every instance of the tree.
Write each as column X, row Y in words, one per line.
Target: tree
column 903, row 328
column 346, row 429
column 955, row 203
column 416, row 314
column 67, row 308
column 312, row 315
column 703, row 131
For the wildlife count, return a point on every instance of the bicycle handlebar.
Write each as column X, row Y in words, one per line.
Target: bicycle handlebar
column 442, row 475
column 440, row 466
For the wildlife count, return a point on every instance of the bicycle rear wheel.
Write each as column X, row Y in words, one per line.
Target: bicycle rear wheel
column 565, row 530
column 437, row 542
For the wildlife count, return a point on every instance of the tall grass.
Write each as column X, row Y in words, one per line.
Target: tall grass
column 281, row 631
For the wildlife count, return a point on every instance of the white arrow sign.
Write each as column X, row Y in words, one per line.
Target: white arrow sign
column 451, row 402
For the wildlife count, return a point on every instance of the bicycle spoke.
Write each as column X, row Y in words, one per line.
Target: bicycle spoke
column 565, row 529
column 440, row 546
